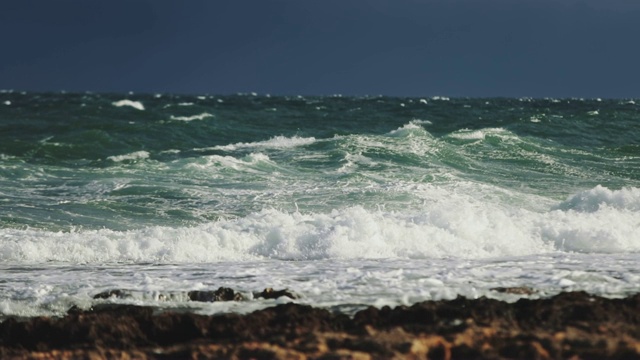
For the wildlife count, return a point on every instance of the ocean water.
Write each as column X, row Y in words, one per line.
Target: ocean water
column 347, row 201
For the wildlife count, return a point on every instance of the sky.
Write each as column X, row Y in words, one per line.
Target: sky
column 457, row 48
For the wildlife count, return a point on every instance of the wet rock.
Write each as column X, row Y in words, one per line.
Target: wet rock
column 222, row 294
column 569, row 325
column 516, row 290
column 117, row 293
column 269, row 293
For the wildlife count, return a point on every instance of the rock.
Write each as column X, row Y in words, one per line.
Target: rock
column 569, row 325
column 269, row 293
column 517, row 290
column 117, row 293
column 222, row 294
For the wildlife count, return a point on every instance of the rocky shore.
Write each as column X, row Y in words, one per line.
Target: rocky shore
column 570, row 325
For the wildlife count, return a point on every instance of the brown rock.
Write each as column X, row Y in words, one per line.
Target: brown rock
column 517, row 290
column 569, row 325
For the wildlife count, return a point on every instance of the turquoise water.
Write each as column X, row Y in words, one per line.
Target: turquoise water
column 124, row 181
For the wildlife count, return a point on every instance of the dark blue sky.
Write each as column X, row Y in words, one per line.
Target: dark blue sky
column 537, row 48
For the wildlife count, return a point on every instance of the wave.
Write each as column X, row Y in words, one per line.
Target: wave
column 469, row 134
column 454, row 228
column 407, row 130
column 277, row 142
column 134, row 104
column 191, row 118
column 137, row 155
column 230, row 162
column 600, row 197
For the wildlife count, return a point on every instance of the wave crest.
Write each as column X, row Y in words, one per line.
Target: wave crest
column 277, row 142
column 599, row 197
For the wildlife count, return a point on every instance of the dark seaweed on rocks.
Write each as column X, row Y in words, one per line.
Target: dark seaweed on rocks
column 222, row 294
column 269, row 293
column 568, row 325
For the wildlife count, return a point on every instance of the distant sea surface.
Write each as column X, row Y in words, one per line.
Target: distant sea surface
column 347, row 201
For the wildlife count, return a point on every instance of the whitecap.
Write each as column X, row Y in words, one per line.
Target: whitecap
column 277, row 142
column 193, row 117
column 138, row 155
column 212, row 162
column 467, row 134
column 350, row 233
column 134, row 104
column 454, row 226
column 421, row 122
column 605, row 230
column 594, row 199
column 406, row 129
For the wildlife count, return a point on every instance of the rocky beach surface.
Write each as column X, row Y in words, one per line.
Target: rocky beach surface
column 573, row 325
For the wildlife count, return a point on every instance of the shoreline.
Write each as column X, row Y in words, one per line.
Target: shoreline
column 568, row 325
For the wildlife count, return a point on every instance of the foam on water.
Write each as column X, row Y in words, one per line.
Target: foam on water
column 276, row 142
column 469, row 135
column 406, row 130
column 192, row 117
column 245, row 163
column 134, row 104
column 600, row 197
column 459, row 227
column 137, row 155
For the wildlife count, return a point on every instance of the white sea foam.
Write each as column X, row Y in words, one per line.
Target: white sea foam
column 469, row 134
column 170, row 151
column 277, row 142
column 607, row 230
column 134, row 104
column 7, row 102
column 456, row 226
column 421, row 122
column 214, row 161
column 193, row 117
column 137, row 155
column 406, row 129
column 601, row 197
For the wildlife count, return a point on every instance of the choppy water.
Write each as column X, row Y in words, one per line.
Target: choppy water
column 347, row 201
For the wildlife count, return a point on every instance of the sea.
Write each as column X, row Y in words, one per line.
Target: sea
column 346, row 201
